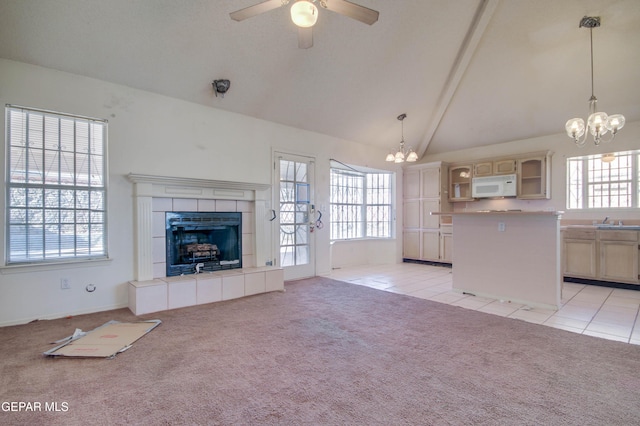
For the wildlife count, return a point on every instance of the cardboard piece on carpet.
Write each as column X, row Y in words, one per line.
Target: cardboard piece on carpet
column 106, row 341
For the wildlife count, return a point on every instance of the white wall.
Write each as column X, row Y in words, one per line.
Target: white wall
column 153, row 134
column 562, row 148
column 157, row 135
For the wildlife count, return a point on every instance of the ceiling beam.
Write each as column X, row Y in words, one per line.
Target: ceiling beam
column 467, row 49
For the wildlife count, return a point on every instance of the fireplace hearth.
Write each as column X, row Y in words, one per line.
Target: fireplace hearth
column 203, row 241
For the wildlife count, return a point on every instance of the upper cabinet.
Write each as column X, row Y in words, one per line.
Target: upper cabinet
column 532, row 170
column 431, row 181
column 483, row 169
column 460, row 183
column 504, row 167
column 533, row 182
column 411, row 183
column 497, row 167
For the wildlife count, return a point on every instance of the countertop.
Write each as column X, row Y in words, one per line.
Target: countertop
column 502, row 212
column 604, row 227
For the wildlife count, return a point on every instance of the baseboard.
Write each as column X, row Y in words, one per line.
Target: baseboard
column 427, row 262
column 599, row 283
column 63, row 315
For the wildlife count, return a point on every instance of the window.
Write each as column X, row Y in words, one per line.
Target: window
column 56, row 187
column 361, row 204
column 604, row 181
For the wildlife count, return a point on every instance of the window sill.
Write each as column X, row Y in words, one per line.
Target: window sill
column 53, row 266
column 350, row 240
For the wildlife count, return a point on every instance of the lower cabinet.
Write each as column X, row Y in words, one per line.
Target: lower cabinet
column 446, row 247
column 619, row 253
column 427, row 244
column 411, row 245
column 601, row 255
column 580, row 257
column 430, row 245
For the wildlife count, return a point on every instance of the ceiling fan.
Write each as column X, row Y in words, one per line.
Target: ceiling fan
column 304, row 14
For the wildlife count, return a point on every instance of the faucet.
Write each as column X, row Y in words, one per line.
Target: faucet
column 605, row 220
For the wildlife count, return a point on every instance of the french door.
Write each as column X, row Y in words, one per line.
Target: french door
column 295, row 215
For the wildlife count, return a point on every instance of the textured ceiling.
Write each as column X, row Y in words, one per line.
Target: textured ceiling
column 466, row 72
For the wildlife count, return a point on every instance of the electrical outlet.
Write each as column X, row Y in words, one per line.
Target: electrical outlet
column 501, row 227
column 64, row 284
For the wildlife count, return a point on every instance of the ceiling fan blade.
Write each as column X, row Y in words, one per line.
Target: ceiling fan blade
column 256, row 9
column 354, row 11
column 305, row 37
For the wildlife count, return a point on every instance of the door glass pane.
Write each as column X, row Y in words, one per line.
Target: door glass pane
column 294, row 213
column 302, row 255
column 286, row 256
column 302, row 234
column 287, row 170
column 287, row 194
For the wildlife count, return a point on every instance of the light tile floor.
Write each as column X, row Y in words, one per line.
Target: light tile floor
column 604, row 312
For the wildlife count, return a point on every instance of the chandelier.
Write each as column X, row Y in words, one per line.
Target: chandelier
column 401, row 155
column 598, row 123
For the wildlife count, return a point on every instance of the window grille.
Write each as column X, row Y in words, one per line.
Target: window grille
column 56, row 186
column 593, row 183
column 361, row 205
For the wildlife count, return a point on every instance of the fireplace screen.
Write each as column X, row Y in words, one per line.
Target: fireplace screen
column 203, row 241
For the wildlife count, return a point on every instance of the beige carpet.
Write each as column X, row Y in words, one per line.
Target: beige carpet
column 324, row 352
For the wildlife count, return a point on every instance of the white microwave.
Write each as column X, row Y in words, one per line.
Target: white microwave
column 493, row 186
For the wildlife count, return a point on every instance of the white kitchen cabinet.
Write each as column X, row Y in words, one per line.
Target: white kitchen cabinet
column 411, row 244
column 430, row 182
column 411, row 214
column 484, row 168
column 604, row 255
column 411, row 184
column 533, row 172
column 504, row 167
column 494, row 167
column 533, row 182
column 446, row 244
column 425, row 191
column 579, row 253
column 430, row 245
column 460, row 183
column 428, row 220
column 619, row 252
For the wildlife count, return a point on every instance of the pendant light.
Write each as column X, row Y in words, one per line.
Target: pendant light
column 401, row 155
column 598, row 123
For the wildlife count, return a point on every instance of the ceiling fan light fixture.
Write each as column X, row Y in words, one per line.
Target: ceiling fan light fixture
column 304, row 14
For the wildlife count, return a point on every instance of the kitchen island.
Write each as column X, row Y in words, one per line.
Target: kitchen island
column 508, row 255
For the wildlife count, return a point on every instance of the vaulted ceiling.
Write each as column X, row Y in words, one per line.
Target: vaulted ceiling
column 466, row 72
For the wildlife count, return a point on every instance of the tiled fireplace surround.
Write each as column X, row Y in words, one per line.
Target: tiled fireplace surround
column 154, row 195
column 162, row 205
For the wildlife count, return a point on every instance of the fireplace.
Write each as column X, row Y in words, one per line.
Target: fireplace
column 203, row 241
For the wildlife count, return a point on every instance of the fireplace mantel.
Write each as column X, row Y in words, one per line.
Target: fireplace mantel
column 181, row 187
column 147, row 187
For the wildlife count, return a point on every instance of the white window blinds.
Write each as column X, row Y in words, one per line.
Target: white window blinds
column 56, row 186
